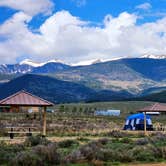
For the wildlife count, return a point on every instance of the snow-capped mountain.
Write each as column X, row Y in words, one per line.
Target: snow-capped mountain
column 130, row 74
column 29, row 66
column 151, row 56
column 87, row 62
column 53, row 66
column 30, row 63
column 37, row 64
column 95, row 61
column 15, row 69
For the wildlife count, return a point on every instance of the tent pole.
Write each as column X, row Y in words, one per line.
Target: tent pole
column 44, row 122
column 145, row 133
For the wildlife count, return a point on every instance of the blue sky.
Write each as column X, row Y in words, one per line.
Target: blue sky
column 77, row 22
column 96, row 10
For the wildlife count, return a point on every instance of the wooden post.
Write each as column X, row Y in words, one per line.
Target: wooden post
column 44, row 121
column 145, row 124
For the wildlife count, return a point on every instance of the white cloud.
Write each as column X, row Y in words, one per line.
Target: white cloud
column 30, row 7
column 144, row 6
column 63, row 36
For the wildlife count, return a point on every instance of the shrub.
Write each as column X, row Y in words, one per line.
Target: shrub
column 117, row 155
column 39, row 155
column 143, row 153
column 7, row 152
column 36, row 140
column 118, row 134
column 103, row 141
column 2, row 132
column 82, row 139
column 88, row 152
column 158, row 138
column 74, row 157
column 5, row 156
column 126, row 140
column 142, row 141
column 26, row 158
column 48, row 153
column 124, row 156
column 67, row 143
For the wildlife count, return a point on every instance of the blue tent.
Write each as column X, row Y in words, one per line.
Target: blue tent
column 136, row 122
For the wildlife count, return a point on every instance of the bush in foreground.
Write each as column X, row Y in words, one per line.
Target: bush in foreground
column 102, row 151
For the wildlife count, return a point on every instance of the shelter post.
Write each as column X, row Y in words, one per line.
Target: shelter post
column 44, row 121
column 145, row 123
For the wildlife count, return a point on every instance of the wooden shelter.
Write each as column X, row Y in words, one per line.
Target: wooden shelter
column 25, row 99
column 157, row 107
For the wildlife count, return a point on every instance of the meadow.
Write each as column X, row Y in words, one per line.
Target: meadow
column 78, row 119
column 77, row 137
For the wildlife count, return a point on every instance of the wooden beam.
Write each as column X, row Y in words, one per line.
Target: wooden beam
column 44, row 121
column 145, row 123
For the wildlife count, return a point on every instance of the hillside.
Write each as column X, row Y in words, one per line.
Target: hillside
column 51, row 67
column 154, row 69
column 137, row 76
column 56, row 90
column 158, row 97
column 46, row 87
column 133, row 75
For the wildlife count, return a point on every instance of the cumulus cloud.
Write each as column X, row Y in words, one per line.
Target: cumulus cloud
column 31, row 7
column 66, row 37
column 144, row 6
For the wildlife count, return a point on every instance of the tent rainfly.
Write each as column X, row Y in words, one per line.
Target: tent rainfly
column 136, row 122
column 25, row 99
column 157, row 107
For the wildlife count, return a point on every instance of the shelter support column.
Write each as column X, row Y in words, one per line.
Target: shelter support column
column 145, row 123
column 44, row 121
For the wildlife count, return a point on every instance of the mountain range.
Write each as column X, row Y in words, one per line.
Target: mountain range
column 57, row 91
column 115, row 79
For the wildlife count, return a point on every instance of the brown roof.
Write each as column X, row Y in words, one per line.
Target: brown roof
column 23, row 98
column 157, row 107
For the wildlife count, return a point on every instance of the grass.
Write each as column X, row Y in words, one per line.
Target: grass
column 105, row 151
column 78, row 119
column 77, row 136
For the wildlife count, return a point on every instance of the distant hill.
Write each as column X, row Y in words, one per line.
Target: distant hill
column 154, row 69
column 48, row 88
column 51, row 67
column 153, row 91
column 157, row 97
column 15, row 69
column 137, row 76
column 132, row 75
column 28, row 66
column 56, row 90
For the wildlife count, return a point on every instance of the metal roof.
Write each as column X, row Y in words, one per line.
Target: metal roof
column 157, row 107
column 23, row 98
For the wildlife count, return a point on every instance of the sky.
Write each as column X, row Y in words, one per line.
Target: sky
column 80, row 30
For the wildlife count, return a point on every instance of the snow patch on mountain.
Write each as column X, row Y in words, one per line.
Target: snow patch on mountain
column 154, row 56
column 30, row 63
column 95, row 61
column 87, row 62
column 36, row 64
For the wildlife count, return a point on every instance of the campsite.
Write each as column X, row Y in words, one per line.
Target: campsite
column 77, row 136
column 82, row 82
